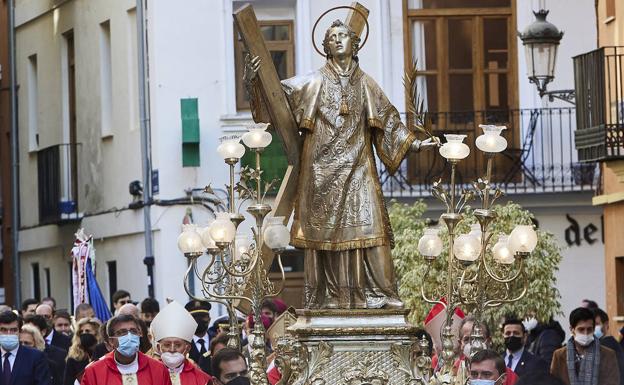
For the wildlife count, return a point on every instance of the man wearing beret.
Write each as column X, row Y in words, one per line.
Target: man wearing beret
column 173, row 330
column 200, row 346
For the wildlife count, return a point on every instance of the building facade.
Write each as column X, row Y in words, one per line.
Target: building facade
column 80, row 137
column 599, row 138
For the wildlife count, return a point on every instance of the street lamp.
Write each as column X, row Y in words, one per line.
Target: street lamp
column 541, row 41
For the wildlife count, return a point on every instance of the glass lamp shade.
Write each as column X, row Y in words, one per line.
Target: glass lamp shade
column 207, row 240
column 454, row 148
column 222, row 229
column 189, row 241
column 276, row 235
column 522, row 239
column 243, row 243
column 430, row 244
column 501, row 251
column 231, row 149
column 467, row 248
column 491, row 141
column 257, row 137
column 475, row 231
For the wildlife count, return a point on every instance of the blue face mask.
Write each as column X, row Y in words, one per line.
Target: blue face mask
column 9, row 341
column 598, row 332
column 128, row 345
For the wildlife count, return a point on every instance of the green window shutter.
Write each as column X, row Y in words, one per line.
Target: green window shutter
column 190, row 132
column 272, row 161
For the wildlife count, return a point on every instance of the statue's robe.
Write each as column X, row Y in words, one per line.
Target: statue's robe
column 340, row 216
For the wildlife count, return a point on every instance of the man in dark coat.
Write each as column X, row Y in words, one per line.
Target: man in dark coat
column 601, row 331
column 544, row 339
column 517, row 358
column 200, row 347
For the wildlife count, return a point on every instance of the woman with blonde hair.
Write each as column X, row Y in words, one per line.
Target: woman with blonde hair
column 81, row 350
column 31, row 336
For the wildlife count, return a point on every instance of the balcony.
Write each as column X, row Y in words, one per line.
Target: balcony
column 540, row 157
column 57, row 175
column 599, row 85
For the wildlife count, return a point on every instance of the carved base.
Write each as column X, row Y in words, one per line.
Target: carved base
column 354, row 347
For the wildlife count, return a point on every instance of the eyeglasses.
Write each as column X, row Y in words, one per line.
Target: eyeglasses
column 123, row 332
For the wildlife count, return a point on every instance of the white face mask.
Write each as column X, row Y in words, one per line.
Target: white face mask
column 529, row 323
column 485, row 382
column 172, row 360
column 584, row 339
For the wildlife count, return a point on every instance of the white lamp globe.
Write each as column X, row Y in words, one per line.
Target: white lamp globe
column 276, row 235
column 189, row 241
column 257, row 137
column 475, row 231
column 501, row 251
column 222, row 229
column 207, row 240
column 454, row 148
column 430, row 244
column 467, row 248
column 491, row 140
column 242, row 244
column 231, row 149
column 523, row 239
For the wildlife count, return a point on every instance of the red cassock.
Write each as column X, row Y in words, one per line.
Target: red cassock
column 105, row 372
column 192, row 375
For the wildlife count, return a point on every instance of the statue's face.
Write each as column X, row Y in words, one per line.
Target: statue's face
column 339, row 42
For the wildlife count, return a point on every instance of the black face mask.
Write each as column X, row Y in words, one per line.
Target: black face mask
column 87, row 341
column 240, row 380
column 513, row 343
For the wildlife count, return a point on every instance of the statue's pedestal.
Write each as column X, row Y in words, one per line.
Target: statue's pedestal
column 358, row 346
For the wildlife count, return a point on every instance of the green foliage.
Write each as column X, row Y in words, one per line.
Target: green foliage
column 542, row 296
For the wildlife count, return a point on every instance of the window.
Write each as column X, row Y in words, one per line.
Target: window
column 468, row 61
column 46, row 272
column 610, row 4
column 279, row 39
column 68, row 153
column 112, row 279
column 36, row 286
column 33, row 104
column 106, row 80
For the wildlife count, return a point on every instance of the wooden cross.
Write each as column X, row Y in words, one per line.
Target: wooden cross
column 278, row 108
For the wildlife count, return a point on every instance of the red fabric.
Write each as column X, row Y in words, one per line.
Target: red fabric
column 511, row 378
column 105, row 372
column 192, row 375
column 274, row 375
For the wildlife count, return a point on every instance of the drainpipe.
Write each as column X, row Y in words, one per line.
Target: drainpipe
column 145, row 147
column 15, row 221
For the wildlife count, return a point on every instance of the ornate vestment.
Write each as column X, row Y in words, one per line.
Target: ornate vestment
column 340, row 216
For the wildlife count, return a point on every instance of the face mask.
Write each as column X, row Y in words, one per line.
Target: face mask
column 240, row 380
column 513, row 343
column 9, row 341
column 128, row 345
column 172, row 360
column 202, row 328
column 467, row 349
column 598, row 332
column 530, row 324
column 87, row 341
column 584, row 339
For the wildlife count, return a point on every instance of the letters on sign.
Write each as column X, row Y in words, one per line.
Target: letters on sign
column 575, row 235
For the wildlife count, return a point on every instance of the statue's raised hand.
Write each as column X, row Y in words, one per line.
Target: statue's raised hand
column 418, row 145
column 252, row 65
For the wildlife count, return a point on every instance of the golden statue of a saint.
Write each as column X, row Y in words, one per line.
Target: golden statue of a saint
column 340, row 218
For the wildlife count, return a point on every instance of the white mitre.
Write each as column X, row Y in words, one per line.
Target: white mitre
column 173, row 321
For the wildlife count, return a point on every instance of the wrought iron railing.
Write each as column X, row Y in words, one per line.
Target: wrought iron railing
column 599, row 84
column 57, row 176
column 540, row 157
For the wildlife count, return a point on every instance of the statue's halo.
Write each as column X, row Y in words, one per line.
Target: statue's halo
column 333, row 9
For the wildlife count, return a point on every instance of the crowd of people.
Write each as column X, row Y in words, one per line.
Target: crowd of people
column 143, row 344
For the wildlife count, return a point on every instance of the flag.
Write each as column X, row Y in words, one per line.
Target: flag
column 435, row 320
column 85, row 288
